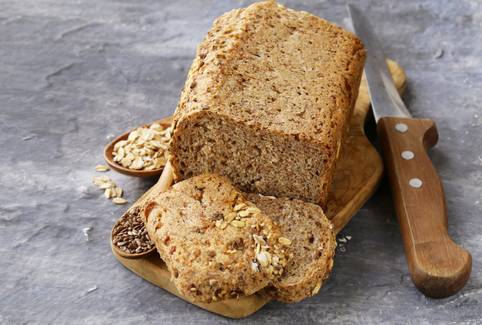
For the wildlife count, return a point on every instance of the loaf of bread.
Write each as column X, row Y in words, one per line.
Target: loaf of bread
column 267, row 102
column 215, row 243
column 312, row 249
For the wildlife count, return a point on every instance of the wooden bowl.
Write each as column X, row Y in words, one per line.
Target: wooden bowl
column 109, row 158
column 120, row 251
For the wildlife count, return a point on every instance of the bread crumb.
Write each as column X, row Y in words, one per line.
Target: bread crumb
column 86, row 232
column 438, row 54
column 92, row 289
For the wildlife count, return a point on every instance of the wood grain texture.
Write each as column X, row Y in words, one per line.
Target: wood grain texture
column 360, row 166
column 438, row 266
column 153, row 269
column 357, row 175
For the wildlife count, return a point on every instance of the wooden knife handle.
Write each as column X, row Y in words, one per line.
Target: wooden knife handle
column 438, row 266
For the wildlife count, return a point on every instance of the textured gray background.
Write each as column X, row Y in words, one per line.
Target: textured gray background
column 73, row 73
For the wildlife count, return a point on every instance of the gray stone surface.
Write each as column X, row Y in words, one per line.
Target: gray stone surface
column 73, row 73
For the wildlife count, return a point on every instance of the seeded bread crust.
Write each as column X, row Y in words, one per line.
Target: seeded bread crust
column 215, row 243
column 311, row 252
column 268, row 96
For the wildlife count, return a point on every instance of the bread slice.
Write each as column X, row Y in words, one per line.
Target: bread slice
column 267, row 102
column 311, row 252
column 215, row 243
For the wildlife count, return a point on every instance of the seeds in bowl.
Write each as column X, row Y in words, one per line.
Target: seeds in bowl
column 130, row 234
column 144, row 149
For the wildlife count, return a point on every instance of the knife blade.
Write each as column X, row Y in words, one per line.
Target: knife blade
column 384, row 95
column 438, row 266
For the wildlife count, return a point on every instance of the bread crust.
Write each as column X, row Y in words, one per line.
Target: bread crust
column 311, row 253
column 211, row 253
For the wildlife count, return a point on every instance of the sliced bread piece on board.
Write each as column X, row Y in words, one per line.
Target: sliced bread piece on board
column 312, row 249
column 215, row 243
column 268, row 96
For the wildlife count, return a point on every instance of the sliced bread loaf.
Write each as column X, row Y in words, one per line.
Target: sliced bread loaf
column 215, row 243
column 267, row 102
column 311, row 252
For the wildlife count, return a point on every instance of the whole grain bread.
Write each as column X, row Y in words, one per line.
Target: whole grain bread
column 215, row 243
column 311, row 252
column 267, row 102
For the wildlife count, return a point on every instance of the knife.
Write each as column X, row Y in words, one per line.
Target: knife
column 438, row 266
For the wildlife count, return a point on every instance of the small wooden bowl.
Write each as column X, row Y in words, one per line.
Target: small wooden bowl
column 165, row 181
column 120, row 251
column 109, row 158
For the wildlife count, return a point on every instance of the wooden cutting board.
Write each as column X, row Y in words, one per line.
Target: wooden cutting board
column 357, row 175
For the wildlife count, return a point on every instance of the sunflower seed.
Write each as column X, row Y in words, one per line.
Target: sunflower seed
column 263, row 258
column 137, row 163
column 243, row 213
column 106, row 185
column 119, row 200
column 238, row 223
column 108, row 193
column 284, row 241
column 230, row 217
column 118, row 191
column 239, row 206
column 221, row 224
column 253, row 210
column 102, row 168
column 316, row 289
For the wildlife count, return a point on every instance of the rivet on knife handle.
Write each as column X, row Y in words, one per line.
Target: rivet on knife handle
column 438, row 266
